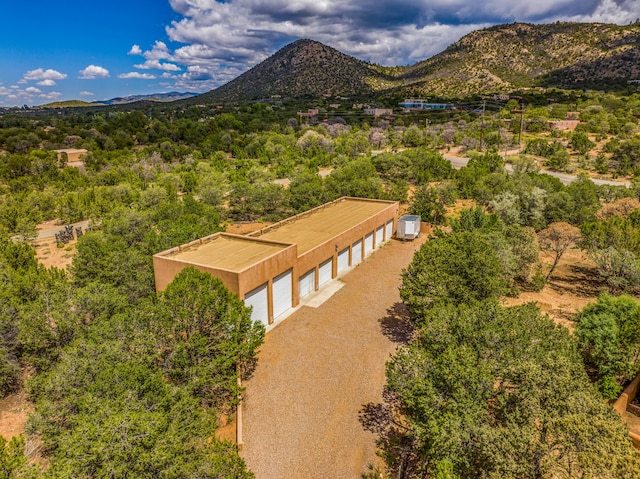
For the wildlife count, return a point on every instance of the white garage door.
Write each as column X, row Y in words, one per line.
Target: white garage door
column 324, row 272
column 307, row 283
column 389, row 230
column 368, row 244
column 257, row 298
column 343, row 260
column 282, row 293
column 379, row 236
column 356, row 252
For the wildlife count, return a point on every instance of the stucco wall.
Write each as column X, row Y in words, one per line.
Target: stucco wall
column 168, row 263
column 330, row 249
column 167, row 268
column 623, row 401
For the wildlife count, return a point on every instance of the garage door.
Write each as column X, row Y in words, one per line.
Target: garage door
column 257, row 298
column 282, row 293
column 368, row 244
column 307, row 283
column 324, row 272
column 379, row 236
column 356, row 252
column 343, row 260
column 389, row 230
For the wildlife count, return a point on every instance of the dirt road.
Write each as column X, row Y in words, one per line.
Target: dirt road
column 318, row 368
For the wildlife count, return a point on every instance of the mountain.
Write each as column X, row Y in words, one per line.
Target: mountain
column 495, row 59
column 566, row 55
column 304, row 67
column 159, row 97
column 67, row 104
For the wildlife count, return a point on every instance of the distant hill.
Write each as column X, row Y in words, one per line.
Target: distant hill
column 153, row 97
column 500, row 58
column 159, row 97
column 67, row 104
column 566, row 55
column 304, row 67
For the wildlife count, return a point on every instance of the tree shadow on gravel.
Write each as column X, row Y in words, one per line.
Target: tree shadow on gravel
column 396, row 325
column 394, row 437
column 248, row 368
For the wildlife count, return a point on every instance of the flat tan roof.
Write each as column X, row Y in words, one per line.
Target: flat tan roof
column 318, row 226
column 72, row 150
column 231, row 253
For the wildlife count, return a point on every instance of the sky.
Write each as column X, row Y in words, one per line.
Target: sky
column 101, row 49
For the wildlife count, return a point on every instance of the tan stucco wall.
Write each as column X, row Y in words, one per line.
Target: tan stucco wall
column 167, row 265
column 331, row 248
column 166, row 268
column 623, row 401
column 73, row 156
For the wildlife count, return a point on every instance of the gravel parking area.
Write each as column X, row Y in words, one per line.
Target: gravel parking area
column 318, row 368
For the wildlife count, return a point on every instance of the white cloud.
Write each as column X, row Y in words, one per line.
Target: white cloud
column 138, row 75
column 158, row 52
column 86, row 93
column 4, row 90
column 42, row 74
column 46, row 83
column 53, row 95
column 170, row 67
column 32, row 89
column 135, row 50
column 93, row 72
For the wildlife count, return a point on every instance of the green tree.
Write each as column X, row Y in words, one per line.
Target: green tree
column 13, row 463
column 501, row 392
column 609, row 336
column 209, row 336
column 452, row 268
column 431, row 202
column 581, row 143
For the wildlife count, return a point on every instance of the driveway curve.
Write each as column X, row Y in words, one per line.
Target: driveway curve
column 318, row 368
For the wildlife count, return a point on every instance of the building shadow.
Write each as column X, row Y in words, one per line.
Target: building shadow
column 396, row 325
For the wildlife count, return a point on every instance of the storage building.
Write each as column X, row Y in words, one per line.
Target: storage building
column 273, row 268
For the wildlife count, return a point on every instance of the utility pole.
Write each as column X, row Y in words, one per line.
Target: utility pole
column 426, row 128
column 521, row 111
column 484, row 104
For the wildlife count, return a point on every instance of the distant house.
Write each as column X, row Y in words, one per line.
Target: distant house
column 311, row 112
column 564, row 125
column 73, row 156
column 376, row 112
column 502, row 97
column 413, row 104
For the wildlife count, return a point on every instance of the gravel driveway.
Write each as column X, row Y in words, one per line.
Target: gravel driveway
column 318, row 368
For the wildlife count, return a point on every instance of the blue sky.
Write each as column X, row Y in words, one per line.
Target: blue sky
column 103, row 49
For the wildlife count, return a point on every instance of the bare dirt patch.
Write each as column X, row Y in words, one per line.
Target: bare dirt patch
column 14, row 410
column 573, row 285
column 49, row 254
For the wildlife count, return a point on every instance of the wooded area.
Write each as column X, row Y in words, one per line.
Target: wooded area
column 129, row 383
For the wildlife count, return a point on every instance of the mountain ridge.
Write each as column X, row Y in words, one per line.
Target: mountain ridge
column 495, row 59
